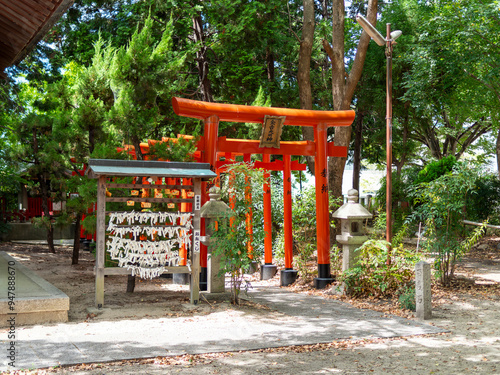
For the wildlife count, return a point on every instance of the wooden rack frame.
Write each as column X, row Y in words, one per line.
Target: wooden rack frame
column 106, row 169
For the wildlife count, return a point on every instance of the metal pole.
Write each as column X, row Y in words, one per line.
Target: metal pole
column 388, row 54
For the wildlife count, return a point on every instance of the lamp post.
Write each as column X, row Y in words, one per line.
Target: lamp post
column 388, row 42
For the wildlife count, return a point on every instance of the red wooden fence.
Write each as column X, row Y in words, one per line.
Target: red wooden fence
column 34, row 210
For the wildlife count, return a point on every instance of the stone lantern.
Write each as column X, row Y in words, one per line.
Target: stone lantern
column 213, row 210
column 351, row 215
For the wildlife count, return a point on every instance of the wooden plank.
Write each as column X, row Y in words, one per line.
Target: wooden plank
column 32, row 8
column 149, row 186
column 100, row 246
column 124, row 271
column 151, row 200
column 480, row 224
column 16, row 31
column 50, row 5
column 19, row 19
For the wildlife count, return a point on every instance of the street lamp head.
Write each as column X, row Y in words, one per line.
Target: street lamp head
column 373, row 32
column 396, row 34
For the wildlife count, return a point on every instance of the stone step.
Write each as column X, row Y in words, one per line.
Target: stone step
column 33, row 300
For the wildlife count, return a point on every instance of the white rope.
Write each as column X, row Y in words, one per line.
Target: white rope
column 148, row 259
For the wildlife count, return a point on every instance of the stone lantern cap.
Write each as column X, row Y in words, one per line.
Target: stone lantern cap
column 215, row 208
column 352, row 209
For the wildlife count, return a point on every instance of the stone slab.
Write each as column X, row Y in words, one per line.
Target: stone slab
column 35, row 300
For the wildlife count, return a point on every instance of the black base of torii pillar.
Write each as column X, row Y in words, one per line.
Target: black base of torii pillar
column 324, row 277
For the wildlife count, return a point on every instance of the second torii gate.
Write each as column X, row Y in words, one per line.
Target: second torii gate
column 320, row 149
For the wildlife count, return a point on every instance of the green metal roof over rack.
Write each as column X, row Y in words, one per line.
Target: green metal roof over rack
column 137, row 168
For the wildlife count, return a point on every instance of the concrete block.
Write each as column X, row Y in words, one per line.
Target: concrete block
column 423, row 290
column 216, row 283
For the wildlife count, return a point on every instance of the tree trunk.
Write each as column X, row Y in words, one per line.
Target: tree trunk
column 91, row 139
column 45, row 208
column 270, row 65
column 136, row 142
column 201, row 59
column 498, row 152
column 76, row 239
column 45, row 193
column 357, row 151
column 304, row 70
column 342, row 87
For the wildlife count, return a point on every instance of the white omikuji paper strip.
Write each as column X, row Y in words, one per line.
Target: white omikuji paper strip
column 148, row 259
column 152, row 218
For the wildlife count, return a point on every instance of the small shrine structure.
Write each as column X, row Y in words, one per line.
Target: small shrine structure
column 148, row 242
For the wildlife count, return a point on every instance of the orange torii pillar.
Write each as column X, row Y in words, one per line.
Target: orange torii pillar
column 209, row 155
column 268, row 269
column 212, row 113
column 249, row 215
column 322, row 208
column 288, row 275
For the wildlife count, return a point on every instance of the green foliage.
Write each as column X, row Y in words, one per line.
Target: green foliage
column 483, row 202
column 442, row 206
column 180, row 149
column 42, row 222
column 143, row 76
column 436, row 169
column 4, row 228
column 407, row 298
column 372, row 277
column 304, row 227
column 279, row 246
column 242, row 190
column 401, row 204
column 91, row 99
column 305, row 256
column 336, row 260
column 304, row 214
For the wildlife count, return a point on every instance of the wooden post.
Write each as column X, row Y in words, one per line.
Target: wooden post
column 100, row 246
column 249, row 214
column 196, row 245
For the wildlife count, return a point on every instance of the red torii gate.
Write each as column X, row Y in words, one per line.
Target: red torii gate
column 268, row 270
column 320, row 149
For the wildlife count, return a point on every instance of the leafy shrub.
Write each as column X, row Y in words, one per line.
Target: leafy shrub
column 372, row 277
column 305, row 255
column 407, row 298
column 336, row 260
column 442, row 207
column 483, row 202
column 400, row 202
column 436, row 169
column 4, row 227
column 241, row 187
column 304, row 227
column 279, row 246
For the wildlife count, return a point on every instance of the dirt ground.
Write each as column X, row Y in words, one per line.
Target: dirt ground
column 470, row 310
